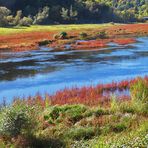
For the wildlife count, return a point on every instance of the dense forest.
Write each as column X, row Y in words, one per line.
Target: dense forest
column 71, row 11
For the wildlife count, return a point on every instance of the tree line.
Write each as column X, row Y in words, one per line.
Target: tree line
column 28, row 12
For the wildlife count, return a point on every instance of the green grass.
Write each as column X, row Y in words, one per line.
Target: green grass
column 76, row 126
column 129, row 139
column 12, row 30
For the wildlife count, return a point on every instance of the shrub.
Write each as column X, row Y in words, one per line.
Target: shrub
column 83, row 35
column 88, row 113
column 46, row 143
column 139, row 90
column 55, row 113
column 71, row 112
column 63, row 35
column 74, row 112
column 44, row 42
column 9, row 20
column 119, row 127
column 26, row 21
column 16, row 119
column 81, row 133
column 102, row 35
column 100, row 112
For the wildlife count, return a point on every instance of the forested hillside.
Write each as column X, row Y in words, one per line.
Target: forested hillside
column 76, row 11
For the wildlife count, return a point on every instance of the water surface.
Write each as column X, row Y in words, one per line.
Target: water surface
column 46, row 70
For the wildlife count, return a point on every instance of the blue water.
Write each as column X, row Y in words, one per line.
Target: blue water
column 46, row 70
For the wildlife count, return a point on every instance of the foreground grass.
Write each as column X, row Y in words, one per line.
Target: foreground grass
column 75, row 126
column 14, row 30
column 122, row 123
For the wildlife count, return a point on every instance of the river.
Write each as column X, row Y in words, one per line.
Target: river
column 46, row 71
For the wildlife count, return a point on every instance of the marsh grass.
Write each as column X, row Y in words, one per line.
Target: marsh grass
column 14, row 30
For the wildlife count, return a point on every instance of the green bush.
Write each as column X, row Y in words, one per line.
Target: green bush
column 139, row 90
column 26, row 21
column 44, row 42
column 119, row 127
column 15, row 120
column 63, row 35
column 82, row 133
column 46, row 143
column 74, row 112
column 71, row 112
column 88, row 113
column 100, row 112
column 83, row 35
column 102, row 35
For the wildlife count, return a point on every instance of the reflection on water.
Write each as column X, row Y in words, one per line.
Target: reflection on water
column 46, row 70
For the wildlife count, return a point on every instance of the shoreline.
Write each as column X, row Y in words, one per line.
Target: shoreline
column 90, row 95
column 32, row 40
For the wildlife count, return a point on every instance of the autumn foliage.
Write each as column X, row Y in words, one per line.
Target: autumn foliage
column 88, row 95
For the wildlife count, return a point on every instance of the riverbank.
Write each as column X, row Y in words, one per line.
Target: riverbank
column 20, row 39
column 38, row 122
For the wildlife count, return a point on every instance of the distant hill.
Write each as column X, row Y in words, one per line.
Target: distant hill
column 81, row 11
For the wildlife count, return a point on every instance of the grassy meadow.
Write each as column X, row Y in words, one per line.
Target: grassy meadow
column 34, row 28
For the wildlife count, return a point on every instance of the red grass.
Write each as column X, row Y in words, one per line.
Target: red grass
column 93, row 44
column 124, row 41
column 89, row 44
column 29, row 41
column 90, row 95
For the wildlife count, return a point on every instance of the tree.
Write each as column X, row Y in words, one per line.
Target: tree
column 26, row 21
column 4, row 13
column 69, row 14
column 64, row 14
column 17, row 17
column 41, row 15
